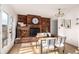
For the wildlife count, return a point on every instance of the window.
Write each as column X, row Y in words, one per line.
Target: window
column 11, row 27
column 4, row 28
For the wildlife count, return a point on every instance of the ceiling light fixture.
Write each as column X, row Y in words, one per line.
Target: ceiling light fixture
column 59, row 13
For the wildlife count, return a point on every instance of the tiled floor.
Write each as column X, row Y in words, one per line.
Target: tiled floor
column 26, row 48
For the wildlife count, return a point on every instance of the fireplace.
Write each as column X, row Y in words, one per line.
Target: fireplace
column 34, row 31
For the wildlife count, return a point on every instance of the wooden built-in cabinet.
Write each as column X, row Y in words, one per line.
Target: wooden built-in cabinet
column 44, row 23
column 30, row 17
column 22, row 18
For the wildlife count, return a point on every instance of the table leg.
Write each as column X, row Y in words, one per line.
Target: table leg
column 36, row 44
column 41, row 47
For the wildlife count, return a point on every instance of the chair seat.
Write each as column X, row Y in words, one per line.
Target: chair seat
column 59, row 45
column 51, row 47
column 45, row 47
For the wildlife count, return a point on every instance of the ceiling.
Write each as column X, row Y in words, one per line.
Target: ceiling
column 45, row 10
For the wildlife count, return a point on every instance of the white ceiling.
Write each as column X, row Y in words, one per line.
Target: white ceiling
column 45, row 10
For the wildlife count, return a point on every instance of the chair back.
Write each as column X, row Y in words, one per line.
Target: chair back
column 43, row 34
column 57, row 41
column 48, row 42
column 60, row 40
column 44, row 42
column 51, row 41
column 49, row 34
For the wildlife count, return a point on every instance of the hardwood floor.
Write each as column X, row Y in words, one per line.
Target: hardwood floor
column 26, row 48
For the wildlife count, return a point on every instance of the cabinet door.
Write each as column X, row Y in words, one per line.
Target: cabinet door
column 48, row 25
column 22, row 18
column 45, row 24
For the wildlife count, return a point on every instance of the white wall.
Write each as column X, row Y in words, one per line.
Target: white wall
column 0, row 30
column 72, row 34
column 12, row 13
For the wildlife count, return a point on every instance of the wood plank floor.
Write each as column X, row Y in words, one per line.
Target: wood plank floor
column 26, row 48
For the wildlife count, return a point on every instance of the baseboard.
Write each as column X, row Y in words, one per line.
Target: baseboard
column 78, row 48
column 72, row 45
column 10, row 48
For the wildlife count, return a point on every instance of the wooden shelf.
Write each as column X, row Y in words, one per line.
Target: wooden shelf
column 44, row 24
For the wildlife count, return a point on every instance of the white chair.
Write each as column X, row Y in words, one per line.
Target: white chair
column 49, row 34
column 39, row 36
column 43, row 34
column 43, row 44
column 51, row 43
column 47, row 44
column 60, row 43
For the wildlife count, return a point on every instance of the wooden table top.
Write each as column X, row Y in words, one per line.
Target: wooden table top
column 35, row 39
column 50, row 36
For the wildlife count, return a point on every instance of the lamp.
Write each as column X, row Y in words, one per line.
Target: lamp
column 59, row 13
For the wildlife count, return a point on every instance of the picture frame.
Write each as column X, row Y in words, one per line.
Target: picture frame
column 67, row 23
column 77, row 21
column 62, row 22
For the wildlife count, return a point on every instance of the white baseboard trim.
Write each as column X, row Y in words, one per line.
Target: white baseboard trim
column 71, row 44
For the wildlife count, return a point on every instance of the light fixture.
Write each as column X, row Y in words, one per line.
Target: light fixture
column 59, row 13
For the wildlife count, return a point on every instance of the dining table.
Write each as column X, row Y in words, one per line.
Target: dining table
column 45, row 37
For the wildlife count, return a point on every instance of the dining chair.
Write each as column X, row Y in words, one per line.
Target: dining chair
column 47, row 45
column 49, row 34
column 60, row 43
column 51, row 43
column 44, row 46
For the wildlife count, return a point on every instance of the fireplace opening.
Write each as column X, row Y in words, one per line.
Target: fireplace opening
column 34, row 31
